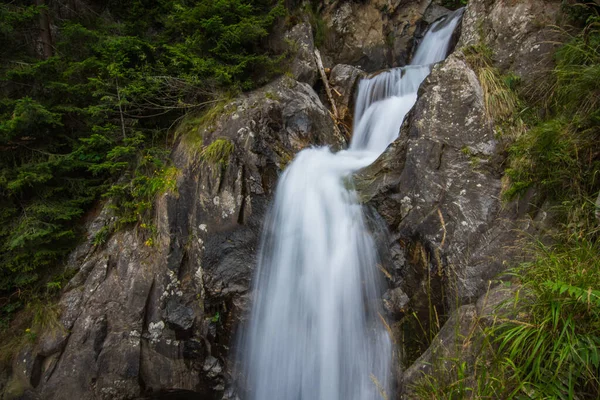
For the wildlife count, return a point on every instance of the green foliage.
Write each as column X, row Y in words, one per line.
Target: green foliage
column 501, row 101
column 133, row 199
column 545, row 343
column 579, row 11
column 317, row 23
column 38, row 315
column 454, row 380
column 216, row 317
column 91, row 121
column 102, row 236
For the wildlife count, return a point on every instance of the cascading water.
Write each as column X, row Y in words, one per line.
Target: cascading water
column 315, row 330
column 384, row 100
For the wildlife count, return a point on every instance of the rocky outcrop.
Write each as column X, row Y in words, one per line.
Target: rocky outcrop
column 522, row 36
column 153, row 310
column 343, row 80
column 375, row 34
column 442, row 188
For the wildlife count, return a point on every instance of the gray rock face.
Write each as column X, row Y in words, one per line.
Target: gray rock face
column 451, row 343
column 303, row 66
column 439, row 186
column 520, row 35
column 461, row 339
column 433, row 12
column 149, row 315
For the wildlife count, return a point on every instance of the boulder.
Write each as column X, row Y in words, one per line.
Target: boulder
column 462, row 342
column 438, row 188
column 439, row 184
column 455, row 341
column 434, row 12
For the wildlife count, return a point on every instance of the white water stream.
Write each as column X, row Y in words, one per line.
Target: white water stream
column 315, row 331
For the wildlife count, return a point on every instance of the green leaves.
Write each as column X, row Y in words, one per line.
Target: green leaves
column 586, row 296
column 133, row 201
column 28, row 121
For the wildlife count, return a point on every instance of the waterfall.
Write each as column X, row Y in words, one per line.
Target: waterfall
column 384, row 100
column 315, row 331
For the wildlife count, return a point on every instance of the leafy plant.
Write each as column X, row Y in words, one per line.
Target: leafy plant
column 216, row 317
column 544, row 343
column 557, row 352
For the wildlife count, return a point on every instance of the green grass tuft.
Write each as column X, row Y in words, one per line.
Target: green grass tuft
column 217, row 153
column 500, row 98
column 556, row 354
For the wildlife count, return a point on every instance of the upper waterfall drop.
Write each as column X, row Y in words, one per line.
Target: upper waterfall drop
column 315, row 329
column 384, row 100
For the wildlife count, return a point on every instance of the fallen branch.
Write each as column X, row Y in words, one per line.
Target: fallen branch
column 325, row 82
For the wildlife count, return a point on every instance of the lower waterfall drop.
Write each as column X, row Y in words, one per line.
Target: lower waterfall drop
column 315, row 330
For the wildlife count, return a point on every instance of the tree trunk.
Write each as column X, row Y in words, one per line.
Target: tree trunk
column 45, row 32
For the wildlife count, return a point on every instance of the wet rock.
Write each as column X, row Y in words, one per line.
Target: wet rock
column 455, row 341
column 178, row 315
column 212, row 367
column 434, row 12
column 439, row 185
column 395, row 302
column 499, row 302
column 461, row 341
column 438, row 188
